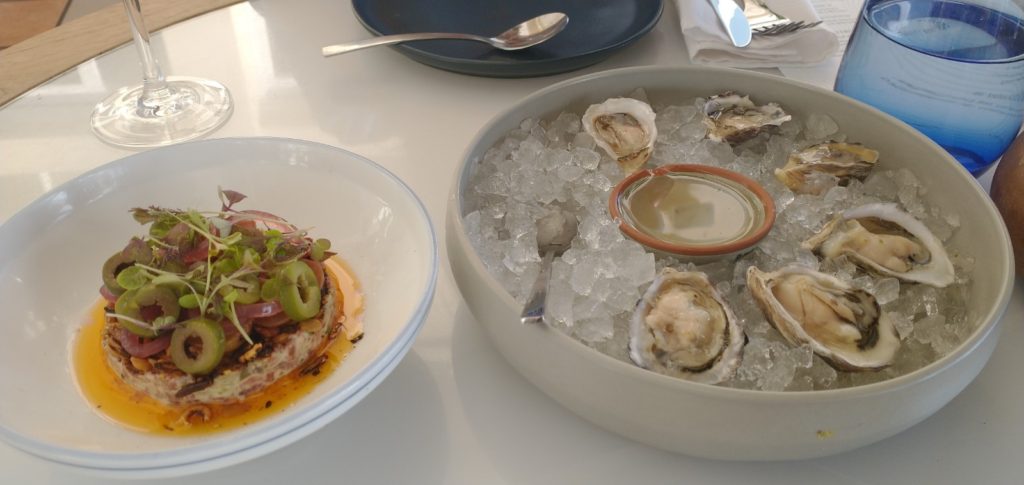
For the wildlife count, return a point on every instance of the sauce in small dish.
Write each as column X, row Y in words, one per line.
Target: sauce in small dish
column 692, row 211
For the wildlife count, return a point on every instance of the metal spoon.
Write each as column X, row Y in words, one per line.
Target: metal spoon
column 554, row 235
column 526, row 34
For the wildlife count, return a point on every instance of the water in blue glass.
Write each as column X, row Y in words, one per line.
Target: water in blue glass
column 954, row 71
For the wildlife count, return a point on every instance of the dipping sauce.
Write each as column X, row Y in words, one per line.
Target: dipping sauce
column 692, row 209
column 694, row 212
column 117, row 402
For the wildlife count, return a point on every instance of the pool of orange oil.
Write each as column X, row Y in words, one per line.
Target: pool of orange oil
column 116, row 402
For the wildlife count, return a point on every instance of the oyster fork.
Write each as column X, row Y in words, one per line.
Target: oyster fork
column 763, row 21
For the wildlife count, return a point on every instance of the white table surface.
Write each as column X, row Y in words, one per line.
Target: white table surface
column 453, row 411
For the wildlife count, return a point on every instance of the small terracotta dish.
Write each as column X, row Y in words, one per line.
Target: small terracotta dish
column 692, row 212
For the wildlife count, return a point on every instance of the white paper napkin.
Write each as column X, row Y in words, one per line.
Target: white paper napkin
column 708, row 43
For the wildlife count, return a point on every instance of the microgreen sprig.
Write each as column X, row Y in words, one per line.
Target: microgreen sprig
column 235, row 256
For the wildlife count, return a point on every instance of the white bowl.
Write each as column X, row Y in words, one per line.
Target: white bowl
column 725, row 423
column 50, row 258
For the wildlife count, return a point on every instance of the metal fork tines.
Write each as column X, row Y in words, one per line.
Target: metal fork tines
column 784, row 28
column 763, row 21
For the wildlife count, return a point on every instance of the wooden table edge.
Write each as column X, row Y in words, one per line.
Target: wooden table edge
column 40, row 58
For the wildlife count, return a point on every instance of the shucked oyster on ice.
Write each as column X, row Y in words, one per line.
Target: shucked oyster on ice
column 734, row 119
column 683, row 328
column 843, row 160
column 883, row 239
column 843, row 325
column 624, row 128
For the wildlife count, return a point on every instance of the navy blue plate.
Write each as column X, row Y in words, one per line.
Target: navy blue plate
column 596, row 29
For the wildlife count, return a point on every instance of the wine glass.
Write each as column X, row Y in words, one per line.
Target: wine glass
column 160, row 111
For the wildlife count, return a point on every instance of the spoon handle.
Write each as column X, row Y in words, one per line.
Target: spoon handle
column 333, row 50
column 533, row 311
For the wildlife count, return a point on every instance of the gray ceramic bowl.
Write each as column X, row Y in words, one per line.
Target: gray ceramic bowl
column 725, row 423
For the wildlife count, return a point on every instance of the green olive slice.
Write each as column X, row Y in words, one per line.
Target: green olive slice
column 198, row 359
column 137, row 251
column 125, row 305
column 111, row 267
column 162, row 296
column 131, row 302
column 299, row 292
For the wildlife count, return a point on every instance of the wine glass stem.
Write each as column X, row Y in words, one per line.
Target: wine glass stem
column 154, row 85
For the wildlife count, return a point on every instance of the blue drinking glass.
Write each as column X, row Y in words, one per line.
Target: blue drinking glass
column 952, row 69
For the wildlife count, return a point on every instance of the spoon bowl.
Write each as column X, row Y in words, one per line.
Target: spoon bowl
column 520, row 36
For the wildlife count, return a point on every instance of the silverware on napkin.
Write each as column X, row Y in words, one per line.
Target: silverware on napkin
column 763, row 21
column 733, row 20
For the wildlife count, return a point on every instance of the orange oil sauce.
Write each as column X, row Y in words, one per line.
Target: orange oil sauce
column 117, row 402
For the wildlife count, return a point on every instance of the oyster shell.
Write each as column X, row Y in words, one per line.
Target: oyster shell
column 843, row 325
column 884, row 239
column 843, row 160
column 734, row 119
column 624, row 128
column 683, row 328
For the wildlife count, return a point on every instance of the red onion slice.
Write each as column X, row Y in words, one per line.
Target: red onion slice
column 258, row 310
column 137, row 346
column 274, row 321
column 107, row 295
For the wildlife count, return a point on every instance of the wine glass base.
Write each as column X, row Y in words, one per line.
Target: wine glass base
column 188, row 109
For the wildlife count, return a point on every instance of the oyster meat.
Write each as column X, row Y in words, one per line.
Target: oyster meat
column 884, row 239
column 624, row 128
column 842, row 160
column 732, row 118
column 683, row 328
column 843, row 325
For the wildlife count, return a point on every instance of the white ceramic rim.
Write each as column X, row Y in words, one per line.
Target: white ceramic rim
column 305, row 421
column 989, row 320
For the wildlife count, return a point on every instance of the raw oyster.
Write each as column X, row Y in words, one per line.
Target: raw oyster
column 885, row 240
column 624, row 128
column 734, row 119
column 683, row 328
column 843, row 160
column 843, row 325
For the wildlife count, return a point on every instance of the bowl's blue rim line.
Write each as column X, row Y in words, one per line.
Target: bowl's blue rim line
column 75, row 458
column 610, row 48
column 993, row 316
